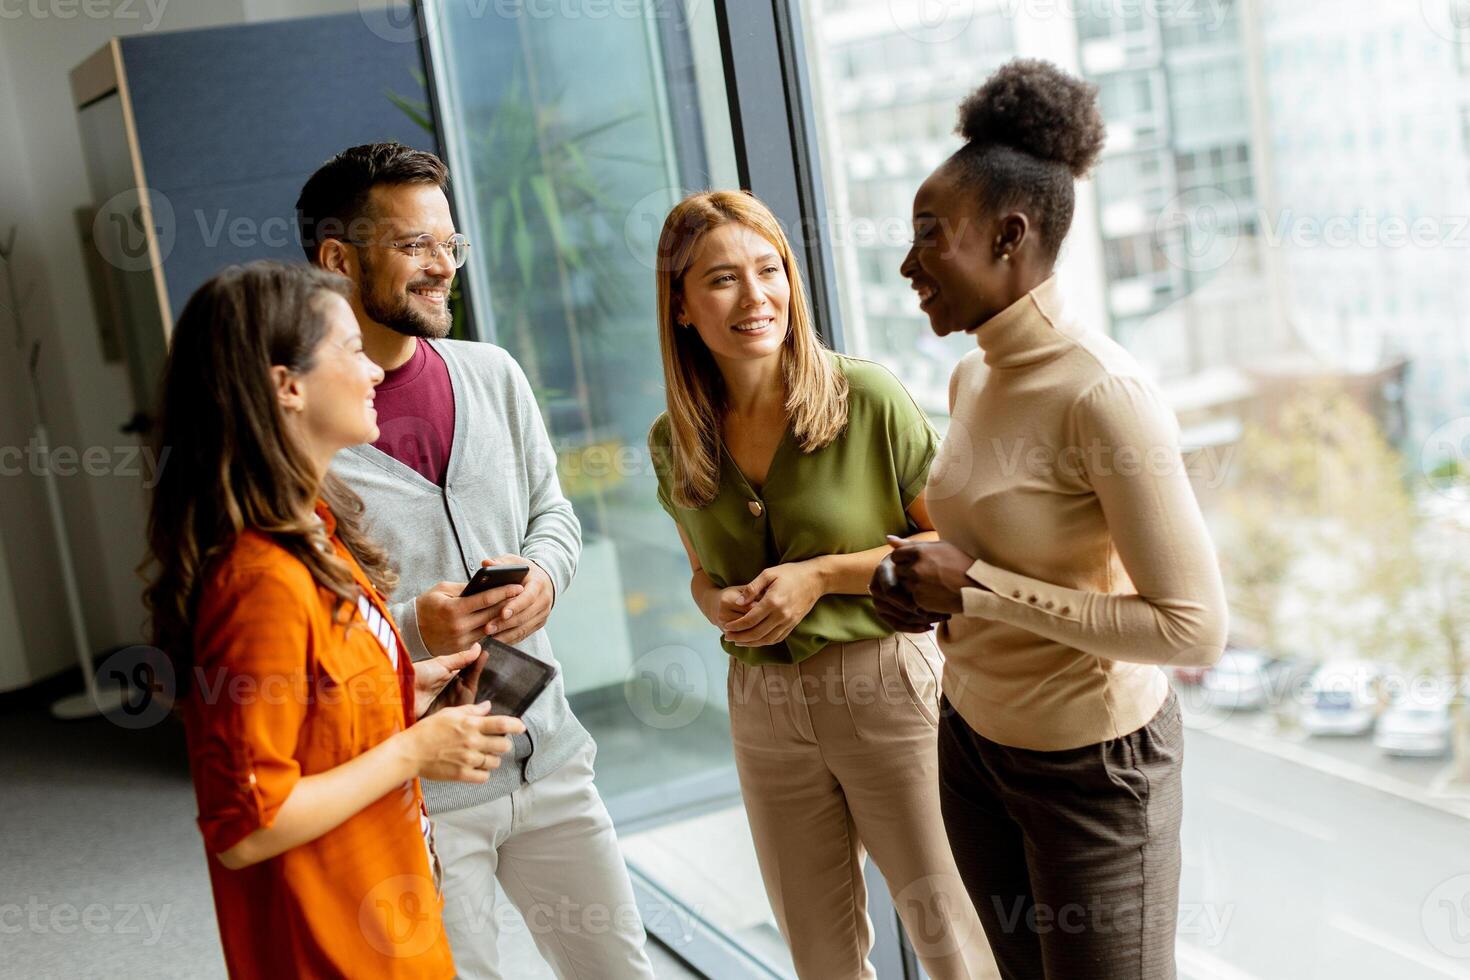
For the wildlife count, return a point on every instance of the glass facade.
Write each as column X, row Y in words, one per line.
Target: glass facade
column 1318, row 389
column 1261, row 158
column 563, row 177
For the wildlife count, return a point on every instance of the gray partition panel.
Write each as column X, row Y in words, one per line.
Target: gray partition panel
column 232, row 120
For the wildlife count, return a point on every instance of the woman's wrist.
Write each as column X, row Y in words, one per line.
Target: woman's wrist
column 706, row 594
column 824, row 572
column 403, row 755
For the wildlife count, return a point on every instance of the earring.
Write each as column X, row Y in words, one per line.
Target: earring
column 1005, row 256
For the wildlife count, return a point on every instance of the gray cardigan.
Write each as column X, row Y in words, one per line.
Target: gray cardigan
column 501, row 496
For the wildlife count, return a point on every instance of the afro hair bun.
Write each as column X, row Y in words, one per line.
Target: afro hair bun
column 1035, row 107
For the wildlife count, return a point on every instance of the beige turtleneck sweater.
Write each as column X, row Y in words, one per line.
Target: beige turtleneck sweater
column 1061, row 475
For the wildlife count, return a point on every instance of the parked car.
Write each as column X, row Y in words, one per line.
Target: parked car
column 1345, row 697
column 1239, row 680
column 1415, row 729
column 1420, row 721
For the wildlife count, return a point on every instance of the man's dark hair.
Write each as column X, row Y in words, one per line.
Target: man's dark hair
column 334, row 201
column 1030, row 131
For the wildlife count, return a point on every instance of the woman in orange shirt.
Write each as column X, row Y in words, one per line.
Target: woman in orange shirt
column 299, row 700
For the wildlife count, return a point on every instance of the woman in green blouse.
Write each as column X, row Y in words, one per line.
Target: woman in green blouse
column 785, row 466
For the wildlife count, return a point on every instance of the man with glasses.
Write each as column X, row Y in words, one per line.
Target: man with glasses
column 464, row 475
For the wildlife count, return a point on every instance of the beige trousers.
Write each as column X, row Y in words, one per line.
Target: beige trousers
column 550, row 845
column 838, row 758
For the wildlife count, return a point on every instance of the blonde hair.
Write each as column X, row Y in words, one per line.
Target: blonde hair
column 816, row 389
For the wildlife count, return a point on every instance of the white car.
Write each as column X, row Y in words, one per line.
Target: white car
column 1417, row 726
column 1238, row 680
column 1344, row 698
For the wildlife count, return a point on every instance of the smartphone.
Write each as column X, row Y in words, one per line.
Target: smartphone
column 495, row 576
column 506, row 677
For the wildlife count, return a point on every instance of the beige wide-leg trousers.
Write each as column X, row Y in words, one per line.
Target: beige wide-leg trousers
column 838, row 758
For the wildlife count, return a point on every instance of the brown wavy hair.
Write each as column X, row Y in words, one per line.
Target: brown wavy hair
column 816, row 389
column 232, row 462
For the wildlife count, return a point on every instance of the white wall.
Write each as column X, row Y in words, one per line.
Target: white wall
column 42, row 181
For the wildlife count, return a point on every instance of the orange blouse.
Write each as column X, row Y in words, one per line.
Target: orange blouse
column 281, row 691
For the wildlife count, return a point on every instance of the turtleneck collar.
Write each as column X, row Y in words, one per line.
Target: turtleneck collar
column 1031, row 329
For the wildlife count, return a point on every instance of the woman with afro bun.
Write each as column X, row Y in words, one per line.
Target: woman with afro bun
column 1073, row 562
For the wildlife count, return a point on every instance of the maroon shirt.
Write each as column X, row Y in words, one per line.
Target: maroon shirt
column 415, row 404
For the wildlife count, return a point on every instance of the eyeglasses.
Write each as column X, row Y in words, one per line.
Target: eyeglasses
column 424, row 250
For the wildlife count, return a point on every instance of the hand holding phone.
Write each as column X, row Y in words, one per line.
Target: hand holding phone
column 494, row 577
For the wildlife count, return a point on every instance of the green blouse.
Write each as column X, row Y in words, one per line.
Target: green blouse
column 841, row 499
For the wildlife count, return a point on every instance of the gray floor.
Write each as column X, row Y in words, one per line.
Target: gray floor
column 102, row 873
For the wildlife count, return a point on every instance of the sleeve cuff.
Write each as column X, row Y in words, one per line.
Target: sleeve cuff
column 1007, row 590
column 406, row 615
column 246, row 806
column 560, row 576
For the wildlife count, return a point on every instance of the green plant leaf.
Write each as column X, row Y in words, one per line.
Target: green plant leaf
column 546, row 195
column 521, row 236
column 417, row 111
column 499, row 216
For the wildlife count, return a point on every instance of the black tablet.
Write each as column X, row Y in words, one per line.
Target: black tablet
column 506, row 677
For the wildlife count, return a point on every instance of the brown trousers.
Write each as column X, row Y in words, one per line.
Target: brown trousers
column 1072, row 857
column 838, row 757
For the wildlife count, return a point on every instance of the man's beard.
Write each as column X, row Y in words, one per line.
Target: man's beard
column 397, row 312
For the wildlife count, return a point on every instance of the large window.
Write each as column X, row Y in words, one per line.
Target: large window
column 571, row 133
column 1284, row 249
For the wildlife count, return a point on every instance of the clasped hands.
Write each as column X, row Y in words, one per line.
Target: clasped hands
column 920, row 584
column 766, row 610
